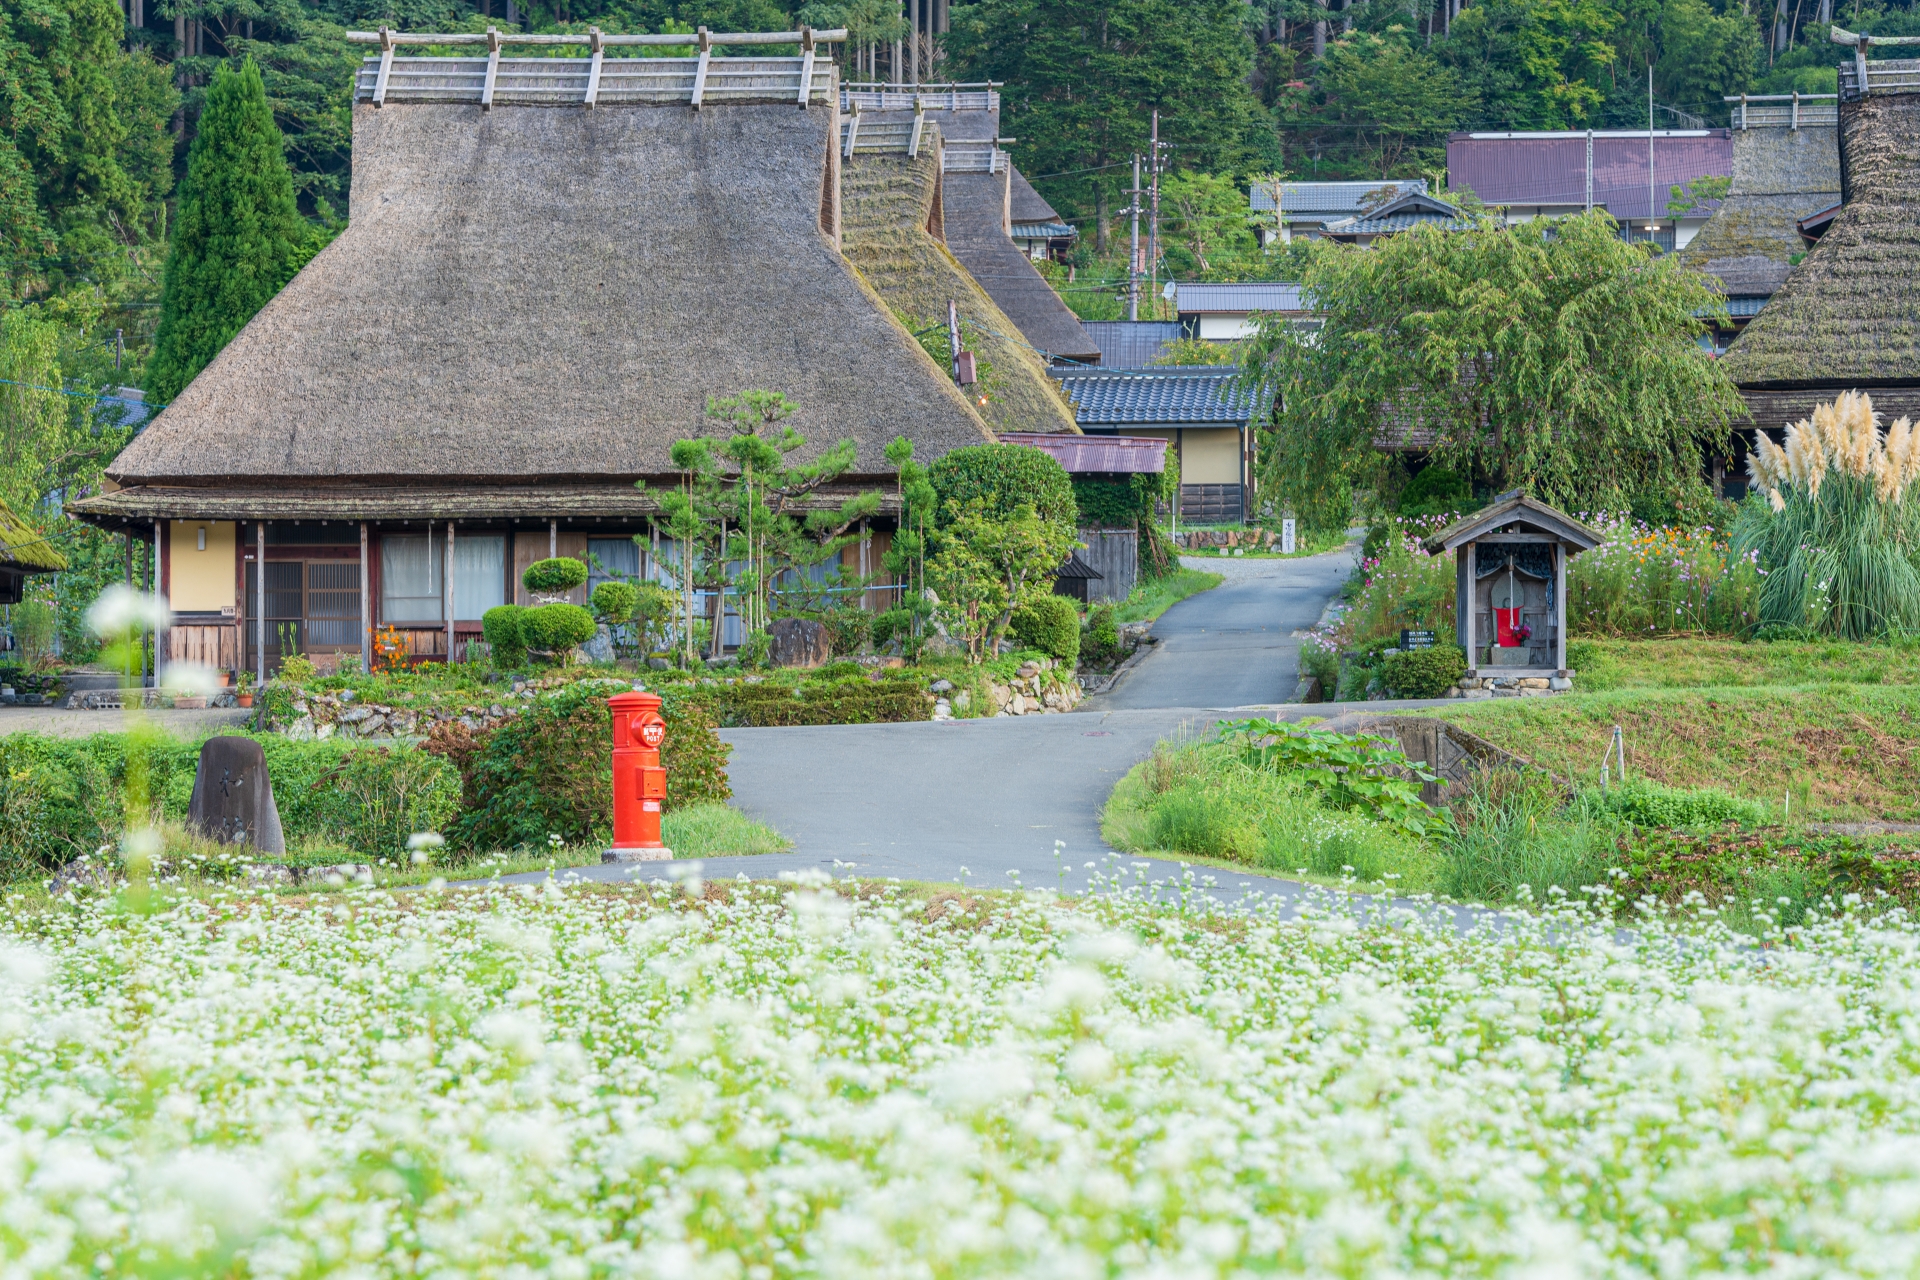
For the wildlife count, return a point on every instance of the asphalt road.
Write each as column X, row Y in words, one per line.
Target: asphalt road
column 1234, row 646
column 984, row 801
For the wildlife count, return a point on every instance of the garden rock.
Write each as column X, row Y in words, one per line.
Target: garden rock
column 233, row 797
column 799, row 642
column 600, row 648
column 940, row 686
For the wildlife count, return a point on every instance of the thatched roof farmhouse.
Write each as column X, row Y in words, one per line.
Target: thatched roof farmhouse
column 550, row 265
column 1848, row 315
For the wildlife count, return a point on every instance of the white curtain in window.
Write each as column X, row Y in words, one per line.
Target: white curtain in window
column 410, row 578
column 479, row 575
column 612, row 560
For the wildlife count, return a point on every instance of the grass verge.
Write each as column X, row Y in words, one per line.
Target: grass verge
column 1151, row 599
column 1832, row 753
column 1696, row 662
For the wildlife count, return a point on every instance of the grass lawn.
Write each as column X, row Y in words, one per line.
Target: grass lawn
column 1151, row 599
column 1693, row 662
column 1842, row 751
column 698, row 831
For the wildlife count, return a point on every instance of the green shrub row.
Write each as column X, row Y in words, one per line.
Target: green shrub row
column 62, row 797
column 846, row 700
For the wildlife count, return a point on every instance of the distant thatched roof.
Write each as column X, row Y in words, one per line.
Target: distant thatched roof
column 1849, row 314
column 976, row 208
column 888, row 202
column 1780, row 175
column 23, row 549
column 550, row 295
column 1024, row 204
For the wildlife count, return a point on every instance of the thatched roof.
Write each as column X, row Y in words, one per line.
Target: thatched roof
column 550, row 295
column 1024, row 204
column 1780, row 175
column 890, row 208
column 977, row 232
column 24, row 550
column 1849, row 313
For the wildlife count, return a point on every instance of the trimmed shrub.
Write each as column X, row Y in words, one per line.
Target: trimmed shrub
column 554, row 577
column 1050, row 624
column 614, row 602
column 848, row 630
column 556, row 628
column 1423, row 673
column 1103, row 632
column 550, row 769
column 1004, row 476
column 1436, row 491
column 501, row 627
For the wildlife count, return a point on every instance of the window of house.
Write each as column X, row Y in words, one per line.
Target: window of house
column 410, row 578
column 479, row 574
column 612, row 560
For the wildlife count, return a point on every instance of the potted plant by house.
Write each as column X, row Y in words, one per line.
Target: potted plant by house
column 243, row 690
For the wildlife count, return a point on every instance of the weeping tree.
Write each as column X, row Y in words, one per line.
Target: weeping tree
column 1549, row 356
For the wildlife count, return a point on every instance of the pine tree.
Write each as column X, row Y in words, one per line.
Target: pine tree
column 238, row 236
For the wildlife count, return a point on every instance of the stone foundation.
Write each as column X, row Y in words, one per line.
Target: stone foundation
column 1483, row 685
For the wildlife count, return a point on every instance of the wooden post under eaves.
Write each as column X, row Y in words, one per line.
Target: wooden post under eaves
column 1560, row 608
column 366, row 606
column 1470, row 600
column 449, row 593
column 260, row 600
column 553, row 538
column 160, row 634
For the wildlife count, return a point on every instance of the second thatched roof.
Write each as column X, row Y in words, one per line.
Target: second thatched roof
column 890, row 211
column 550, row 295
column 1780, row 175
column 1849, row 313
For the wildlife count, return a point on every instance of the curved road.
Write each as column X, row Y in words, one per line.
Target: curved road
column 984, row 801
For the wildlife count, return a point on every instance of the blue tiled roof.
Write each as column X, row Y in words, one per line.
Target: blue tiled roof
column 1232, row 299
column 1039, row 230
column 1333, row 197
column 1144, row 397
column 1131, row 344
column 1745, row 306
column 1392, row 226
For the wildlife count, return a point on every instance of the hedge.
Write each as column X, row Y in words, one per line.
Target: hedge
column 849, row 700
column 1423, row 673
column 61, row 797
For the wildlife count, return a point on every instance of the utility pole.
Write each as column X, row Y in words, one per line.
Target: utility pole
column 1650, row 152
column 1133, row 263
column 953, row 337
column 1153, row 226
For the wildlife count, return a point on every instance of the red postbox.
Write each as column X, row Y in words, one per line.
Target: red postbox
column 639, row 783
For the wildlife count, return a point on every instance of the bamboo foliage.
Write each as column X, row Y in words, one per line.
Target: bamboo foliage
column 1830, row 526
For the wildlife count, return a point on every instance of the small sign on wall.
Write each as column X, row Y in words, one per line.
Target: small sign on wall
column 1286, row 537
column 1415, row 639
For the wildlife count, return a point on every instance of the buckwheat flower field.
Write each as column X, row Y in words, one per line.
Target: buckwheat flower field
column 776, row 1081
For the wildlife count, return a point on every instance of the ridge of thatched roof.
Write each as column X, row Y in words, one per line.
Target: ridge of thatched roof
column 552, row 295
column 1849, row 313
column 889, row 204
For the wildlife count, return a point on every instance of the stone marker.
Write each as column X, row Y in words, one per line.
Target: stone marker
column 233, row 798
column 799, row 642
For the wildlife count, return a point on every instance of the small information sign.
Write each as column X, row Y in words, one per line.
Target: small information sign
column 1415, row 639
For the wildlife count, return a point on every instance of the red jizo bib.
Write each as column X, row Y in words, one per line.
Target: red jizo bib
column 1507, row 624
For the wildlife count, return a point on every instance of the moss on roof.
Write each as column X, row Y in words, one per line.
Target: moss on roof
column 1849, row 313
column 887, row 203
column 25, row 547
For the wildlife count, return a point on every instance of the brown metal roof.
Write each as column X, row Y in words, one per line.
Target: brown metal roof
column 1089, row 455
